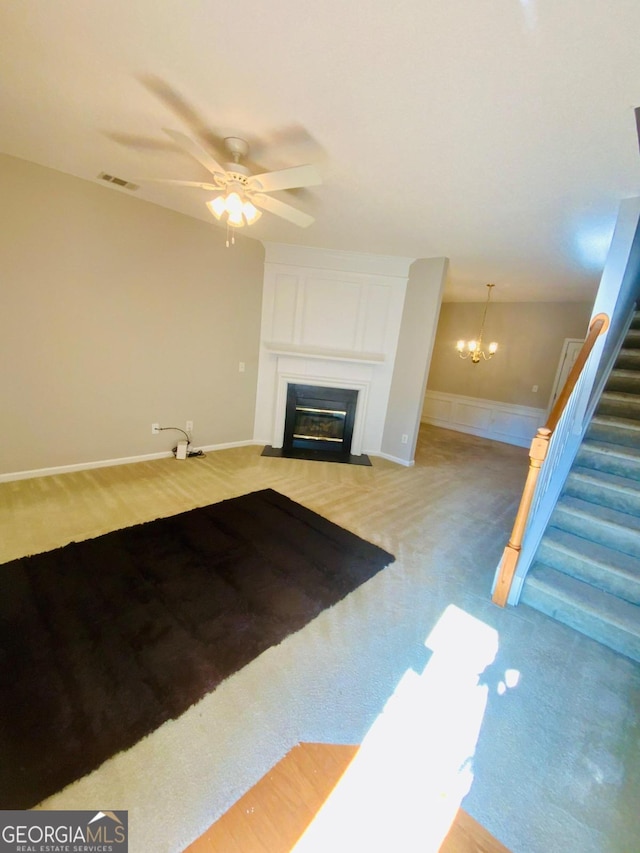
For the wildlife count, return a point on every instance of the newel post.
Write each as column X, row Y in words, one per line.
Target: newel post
column 509, row 561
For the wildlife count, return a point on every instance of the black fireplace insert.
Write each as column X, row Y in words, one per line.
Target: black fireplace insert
column 319, row 419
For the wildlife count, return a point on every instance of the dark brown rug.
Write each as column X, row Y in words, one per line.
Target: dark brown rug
column 102, row 641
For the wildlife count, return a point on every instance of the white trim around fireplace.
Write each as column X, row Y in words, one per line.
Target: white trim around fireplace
column 284, row 379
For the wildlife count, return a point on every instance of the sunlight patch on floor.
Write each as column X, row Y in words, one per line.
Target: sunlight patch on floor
column 415, row 765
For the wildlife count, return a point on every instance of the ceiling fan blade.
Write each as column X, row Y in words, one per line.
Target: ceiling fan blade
column 197, row 151
column 287, row 179
column 185, row 111
column 139, row 142
column 285, row 211
column 201, row 185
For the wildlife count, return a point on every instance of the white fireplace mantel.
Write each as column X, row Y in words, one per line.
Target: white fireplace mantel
column 330, row 319
column 325, row 353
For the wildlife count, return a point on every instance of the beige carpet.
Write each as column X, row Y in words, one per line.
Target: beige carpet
column 446, row 520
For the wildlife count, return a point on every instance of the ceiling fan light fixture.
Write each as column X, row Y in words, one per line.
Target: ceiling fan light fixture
column 233, row 204
column 236, row 219
column 238, row 188
column 217, row 206
column 237, row 209
column 251, row 212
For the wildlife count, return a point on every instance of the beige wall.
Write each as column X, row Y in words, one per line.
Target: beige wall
column 114, row 314
column 530, row 336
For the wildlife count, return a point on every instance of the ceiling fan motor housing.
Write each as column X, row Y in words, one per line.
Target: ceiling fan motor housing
column 237, row 147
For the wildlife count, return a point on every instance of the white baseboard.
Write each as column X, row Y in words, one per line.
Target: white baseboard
column 249, row 442
column 408, row 463
column 486, row 418
column 148, row 457
column 107, row 463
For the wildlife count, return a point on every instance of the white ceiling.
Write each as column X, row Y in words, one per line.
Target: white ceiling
column 499, row 133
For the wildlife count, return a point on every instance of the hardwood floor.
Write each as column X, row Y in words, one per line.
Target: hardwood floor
column 271, row 817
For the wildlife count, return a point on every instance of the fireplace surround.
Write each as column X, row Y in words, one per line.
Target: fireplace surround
column 319, row 422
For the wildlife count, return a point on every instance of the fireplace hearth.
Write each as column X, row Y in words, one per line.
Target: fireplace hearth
column 319, row 424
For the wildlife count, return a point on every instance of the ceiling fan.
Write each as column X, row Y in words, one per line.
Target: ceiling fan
column 239, row 193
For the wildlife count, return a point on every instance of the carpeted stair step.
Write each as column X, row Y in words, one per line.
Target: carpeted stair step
column 619, row 404
column 627, row 381
column 602, row 567
column 632, row 338
column 609, row 527
column 599, row 615
column 614, row 430
column 612, row 458
column 628, row 358
column 609, row 490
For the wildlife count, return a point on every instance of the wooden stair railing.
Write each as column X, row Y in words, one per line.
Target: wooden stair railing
column 537, row 455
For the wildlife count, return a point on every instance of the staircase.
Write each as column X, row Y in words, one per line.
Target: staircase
column 586, row 572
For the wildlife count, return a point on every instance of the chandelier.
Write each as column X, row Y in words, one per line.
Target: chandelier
column 473, row 349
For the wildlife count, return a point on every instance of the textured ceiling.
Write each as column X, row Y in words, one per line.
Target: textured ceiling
column 500, row 133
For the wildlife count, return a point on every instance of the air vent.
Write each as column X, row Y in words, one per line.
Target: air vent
column 120, row 182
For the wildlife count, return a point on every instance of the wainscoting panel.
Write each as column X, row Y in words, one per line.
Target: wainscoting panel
column 374, row 328
column 471, row 415
column 331, row 312
column 342, row 311
column 486, row 418
column 285, row 306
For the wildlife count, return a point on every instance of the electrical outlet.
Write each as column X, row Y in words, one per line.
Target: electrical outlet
column 534, row 389
column 155, row 429
column 241, row 367
column 189, row 426
column 404, row 439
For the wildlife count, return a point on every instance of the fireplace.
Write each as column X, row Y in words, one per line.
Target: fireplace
column 323, row 422
column 319, row 420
